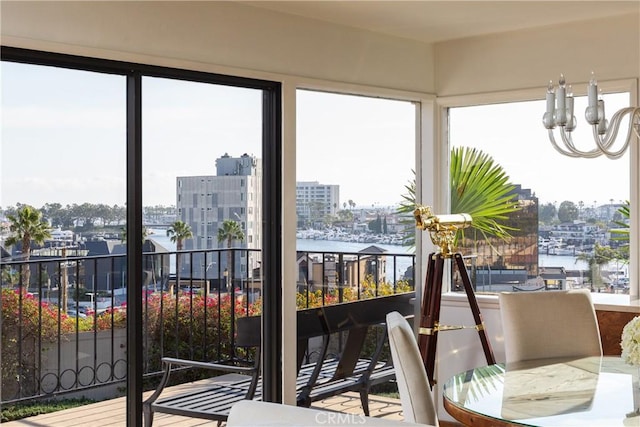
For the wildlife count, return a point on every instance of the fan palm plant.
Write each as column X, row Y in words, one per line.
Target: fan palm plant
column 479, row 187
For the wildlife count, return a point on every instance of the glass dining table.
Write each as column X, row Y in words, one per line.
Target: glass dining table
column 585, row 392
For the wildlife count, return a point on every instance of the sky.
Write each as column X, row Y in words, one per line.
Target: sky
column 63, row 140
column 514, row 136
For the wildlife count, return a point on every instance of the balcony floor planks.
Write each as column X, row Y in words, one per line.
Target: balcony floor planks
column 112, row 413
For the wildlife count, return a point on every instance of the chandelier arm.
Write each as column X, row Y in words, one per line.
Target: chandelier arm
column 557, row 147
column 604, row 134
column 615, row 124
column 568, row 141
column 612, row 133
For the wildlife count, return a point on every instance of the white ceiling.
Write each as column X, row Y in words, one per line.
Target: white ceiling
column 437, row 21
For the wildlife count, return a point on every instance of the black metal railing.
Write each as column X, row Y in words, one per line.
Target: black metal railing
column 66, row 331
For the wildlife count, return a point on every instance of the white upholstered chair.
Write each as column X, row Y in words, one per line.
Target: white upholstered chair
column 415, row 392
column 255, row 413
column 549, row 324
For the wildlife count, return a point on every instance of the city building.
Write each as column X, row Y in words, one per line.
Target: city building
column 205, row 202
column 315, row 201
column 489, row 256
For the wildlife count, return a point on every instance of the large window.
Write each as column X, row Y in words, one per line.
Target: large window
column 202, row 165
column 355, row 159
column 107, row 151
column 563, row 235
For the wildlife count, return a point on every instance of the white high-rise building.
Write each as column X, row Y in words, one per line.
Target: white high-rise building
column 234, row 193
column 315, row 201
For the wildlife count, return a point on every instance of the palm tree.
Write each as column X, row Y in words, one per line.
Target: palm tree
column 229, row 232
column 178, row 233
column 123, row 234
column 10, row 277
column 479, row 187
column 601, row 255
column 27, row 226
column 623, row 231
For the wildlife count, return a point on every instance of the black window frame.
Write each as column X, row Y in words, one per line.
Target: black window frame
column 271, row 200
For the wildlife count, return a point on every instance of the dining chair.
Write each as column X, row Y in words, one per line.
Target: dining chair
column 549, row 324
column 255, row 413
column 416, row 396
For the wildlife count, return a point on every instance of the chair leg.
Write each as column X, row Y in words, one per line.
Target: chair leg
column 364, row 398
column 148, row 415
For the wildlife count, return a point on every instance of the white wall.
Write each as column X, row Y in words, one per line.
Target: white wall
column 220, row 33
column 530, row 58
column 460, row 350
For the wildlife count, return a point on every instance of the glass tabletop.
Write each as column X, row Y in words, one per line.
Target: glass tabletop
column 592, row 391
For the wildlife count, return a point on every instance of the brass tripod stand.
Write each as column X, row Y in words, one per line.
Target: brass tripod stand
column 442, row 230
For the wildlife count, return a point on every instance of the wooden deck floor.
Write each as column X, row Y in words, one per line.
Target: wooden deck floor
column 112, row 413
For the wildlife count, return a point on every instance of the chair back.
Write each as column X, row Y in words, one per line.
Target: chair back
column 549, row 324
column 415, row 392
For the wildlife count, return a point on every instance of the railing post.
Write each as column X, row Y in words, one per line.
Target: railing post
column 232, row 293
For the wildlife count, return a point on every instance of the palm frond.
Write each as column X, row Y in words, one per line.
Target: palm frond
column 480, row 187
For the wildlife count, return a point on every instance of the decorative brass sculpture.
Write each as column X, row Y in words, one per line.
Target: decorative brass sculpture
column 442, row 228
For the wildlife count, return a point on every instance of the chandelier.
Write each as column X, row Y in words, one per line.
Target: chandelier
column 560, row 113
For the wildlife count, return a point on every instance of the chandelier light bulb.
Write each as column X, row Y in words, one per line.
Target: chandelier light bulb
column 571, row 120
column 561, row 103
column 548, row 119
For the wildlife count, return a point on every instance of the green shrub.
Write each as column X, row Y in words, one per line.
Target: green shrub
column 24, row 410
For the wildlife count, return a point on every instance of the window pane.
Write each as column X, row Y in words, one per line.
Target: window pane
column 63, row 137
column 355, row 155
column 202, row 165
column 577, row 200
column 63, row 152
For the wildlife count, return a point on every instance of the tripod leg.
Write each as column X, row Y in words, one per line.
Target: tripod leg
column 426, row 321
column 475, row 309
column 430, row 314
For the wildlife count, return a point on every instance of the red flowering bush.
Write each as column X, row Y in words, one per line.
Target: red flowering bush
column 30, row 326
column 191, row 326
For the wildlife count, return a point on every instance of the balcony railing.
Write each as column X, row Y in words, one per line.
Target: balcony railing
column 190, row 302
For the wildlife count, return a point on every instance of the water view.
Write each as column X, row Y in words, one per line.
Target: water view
column 568, row 262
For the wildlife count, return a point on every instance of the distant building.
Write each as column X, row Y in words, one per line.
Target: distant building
column 520, row 253
column 568, row 237
column 315, row 201
column 205, row 202
column 333, row 271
